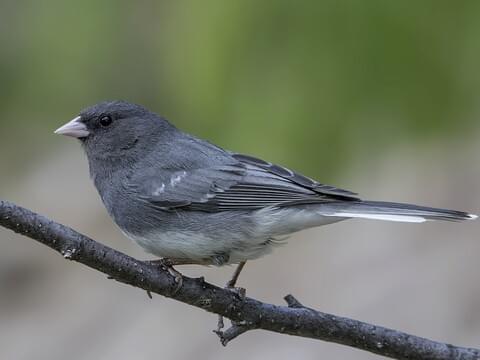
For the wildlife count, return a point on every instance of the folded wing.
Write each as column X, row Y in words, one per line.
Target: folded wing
column 246, row 183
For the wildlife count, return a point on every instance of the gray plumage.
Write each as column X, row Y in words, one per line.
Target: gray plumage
column 185, row 198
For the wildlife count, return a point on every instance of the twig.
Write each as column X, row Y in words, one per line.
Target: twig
column 293, row 302
column 232, row 332
column 244, row 312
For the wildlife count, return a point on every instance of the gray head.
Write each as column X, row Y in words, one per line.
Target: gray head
column 112, row 130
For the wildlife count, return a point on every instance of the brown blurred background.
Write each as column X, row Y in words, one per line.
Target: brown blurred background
column 379, row 97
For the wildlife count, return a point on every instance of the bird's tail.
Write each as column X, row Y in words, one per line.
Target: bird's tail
column 380, row 210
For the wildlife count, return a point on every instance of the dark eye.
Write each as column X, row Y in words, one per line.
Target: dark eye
column 105, row 120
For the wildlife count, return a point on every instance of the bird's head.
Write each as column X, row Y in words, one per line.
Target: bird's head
column 115, row 129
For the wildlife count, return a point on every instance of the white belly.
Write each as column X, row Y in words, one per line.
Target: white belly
column 270, row 223
column 199, row 247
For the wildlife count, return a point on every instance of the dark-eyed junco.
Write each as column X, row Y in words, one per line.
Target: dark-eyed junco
column 192, row 202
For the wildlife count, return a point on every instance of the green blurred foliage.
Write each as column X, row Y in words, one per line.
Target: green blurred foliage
column 309, row 84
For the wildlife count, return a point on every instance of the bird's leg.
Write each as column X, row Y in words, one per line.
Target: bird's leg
column 231, row 283
column 231, row 286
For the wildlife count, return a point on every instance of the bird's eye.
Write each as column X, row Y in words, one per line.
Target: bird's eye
column 105, row 120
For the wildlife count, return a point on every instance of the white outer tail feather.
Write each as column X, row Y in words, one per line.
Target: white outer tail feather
column 386, row 217
column 390, row 211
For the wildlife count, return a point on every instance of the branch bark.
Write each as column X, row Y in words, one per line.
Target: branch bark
column 245, row 313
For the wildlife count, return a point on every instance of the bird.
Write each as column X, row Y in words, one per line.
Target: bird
column 188, row 201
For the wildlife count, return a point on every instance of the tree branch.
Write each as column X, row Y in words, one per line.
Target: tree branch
column 244, row 312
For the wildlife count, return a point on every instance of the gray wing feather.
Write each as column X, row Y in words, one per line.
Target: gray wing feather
column 245, row 184
column 296, row 178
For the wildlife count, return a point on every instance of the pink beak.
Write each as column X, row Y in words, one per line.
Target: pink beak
column 74, row 128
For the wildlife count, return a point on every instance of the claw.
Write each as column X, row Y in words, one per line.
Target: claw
column 178, row 278
column 167, row 264
column 239, row 291
column 220, row 325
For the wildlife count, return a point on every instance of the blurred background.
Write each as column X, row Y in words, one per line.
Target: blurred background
column 380, row 97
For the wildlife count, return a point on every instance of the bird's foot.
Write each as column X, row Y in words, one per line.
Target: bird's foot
column 239, row 291
column 167, row 264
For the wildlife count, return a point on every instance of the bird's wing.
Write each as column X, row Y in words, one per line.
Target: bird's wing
column 295, row 178
column 246, row 183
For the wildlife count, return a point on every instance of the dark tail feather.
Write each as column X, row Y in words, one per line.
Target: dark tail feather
column 381, row 210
